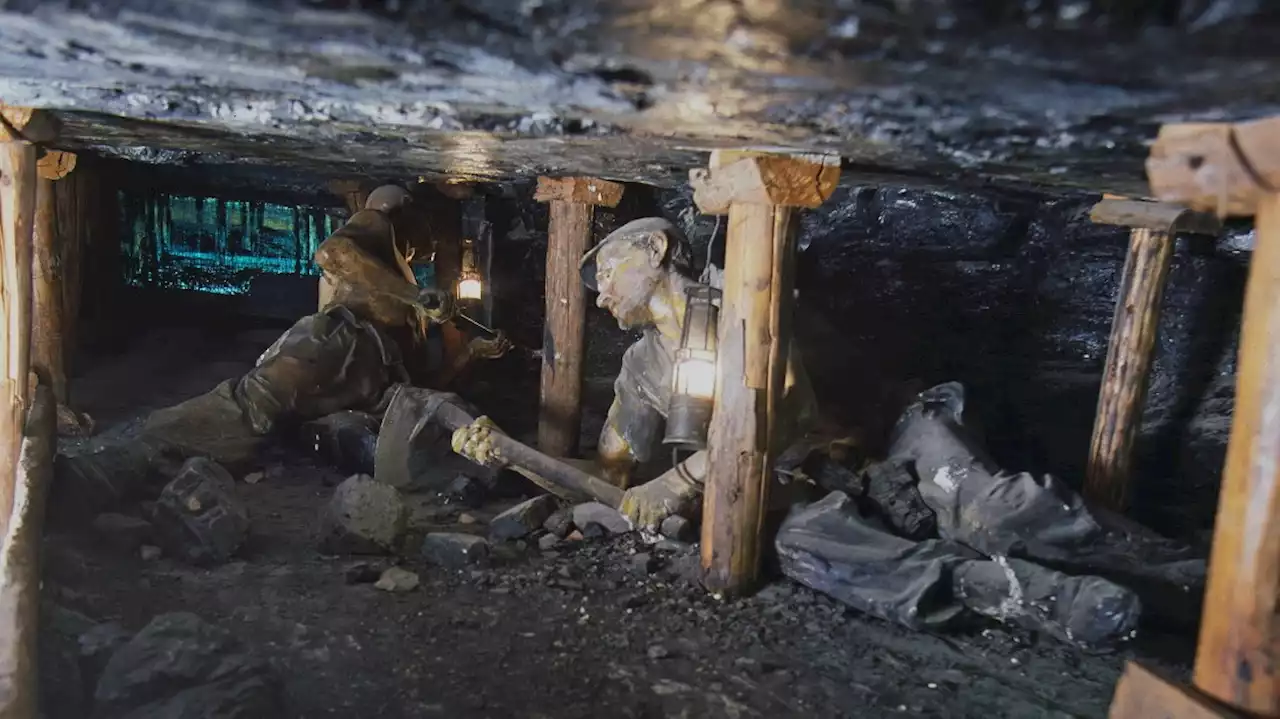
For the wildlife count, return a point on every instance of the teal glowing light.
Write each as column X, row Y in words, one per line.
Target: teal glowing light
column 212, row 245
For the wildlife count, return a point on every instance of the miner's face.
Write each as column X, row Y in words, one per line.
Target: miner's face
column 627, row 275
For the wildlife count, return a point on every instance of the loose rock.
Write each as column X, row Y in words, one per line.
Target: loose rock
column 644, row 563
column 149, row 553
column 467, row 491
column 671, row 545
column 198, row 518
column 254, row 477
column 347, row 440
column 363, row 517
column 96, row 648
column 522, row 519
column 548, row 541
column 122, row 531
column 678, row 528
column 180, row 666
column 453, row 549
column 466, row 518
column 396, row 579
column 560, row 523
column 363, row 573
column 608, row 518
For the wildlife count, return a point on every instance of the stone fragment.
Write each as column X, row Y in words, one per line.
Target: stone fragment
column 198, row 518
column 363, row 573
column 560, row 523
column 395, row 579
column 467, row 518
column 678, row 528
column 180, row 666
column 522, row 519
column 454, row 549
column 672, row 546
column 149, row 552
column 548, row 541
column 658, row 651
column 363, row 517
column 347, row 440
column 254, row 477
column 96, row 647
column 608, row 518
column 644, row 563
column 467, row 491
column 122, row 531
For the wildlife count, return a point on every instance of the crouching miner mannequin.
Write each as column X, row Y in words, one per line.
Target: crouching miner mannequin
column 985, row 562
column 380, row 328
column 642, row 272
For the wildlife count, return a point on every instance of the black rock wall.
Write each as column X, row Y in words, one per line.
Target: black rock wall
column 1011, row 294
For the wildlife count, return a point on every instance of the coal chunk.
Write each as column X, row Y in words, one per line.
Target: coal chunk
column 454, row 549
column 891, row 491
column 122, row 531
column 181, row 666
column 97, row 646
column 521, row 520
column 363, row 517
column 198, row 518
column 363, row 573
column 560, row 523
column 347, row 440
column 678, row 528
column 467, row 491
column 589, row 513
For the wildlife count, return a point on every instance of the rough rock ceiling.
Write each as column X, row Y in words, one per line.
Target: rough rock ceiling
column 931, row 90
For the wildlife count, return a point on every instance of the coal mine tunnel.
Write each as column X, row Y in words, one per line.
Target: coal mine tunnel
column 639, row 358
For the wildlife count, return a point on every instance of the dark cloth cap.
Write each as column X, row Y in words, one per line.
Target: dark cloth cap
column 679, row 251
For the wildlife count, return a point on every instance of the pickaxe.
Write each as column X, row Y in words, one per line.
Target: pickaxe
column 412, row 408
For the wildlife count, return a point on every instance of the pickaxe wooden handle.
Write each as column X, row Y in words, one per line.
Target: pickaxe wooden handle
column 412, row 407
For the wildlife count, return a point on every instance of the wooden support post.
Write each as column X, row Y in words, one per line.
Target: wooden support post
column 758, row 193
column 1235, row 169
column 573, row 201
column 1131, row 346
column 17, row 214
column 20, row 561
column 52, row 235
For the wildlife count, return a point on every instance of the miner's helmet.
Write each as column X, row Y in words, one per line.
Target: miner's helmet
column 388, row 198
column 679, row 252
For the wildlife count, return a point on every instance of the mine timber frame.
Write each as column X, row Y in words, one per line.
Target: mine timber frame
column 572, row 203
column 28, row 413
column 1233, row 169
column 758, row 192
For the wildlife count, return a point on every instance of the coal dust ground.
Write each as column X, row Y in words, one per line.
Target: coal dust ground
column 587, row 630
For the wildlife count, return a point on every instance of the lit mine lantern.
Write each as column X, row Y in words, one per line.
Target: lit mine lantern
column 693, row 382
column 470, row 286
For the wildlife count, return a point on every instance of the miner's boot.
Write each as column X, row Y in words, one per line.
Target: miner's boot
column 1089, row 612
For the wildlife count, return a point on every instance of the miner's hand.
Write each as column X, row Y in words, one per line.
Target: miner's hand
column 650, row 503
column 475, row 442
column 490, row 348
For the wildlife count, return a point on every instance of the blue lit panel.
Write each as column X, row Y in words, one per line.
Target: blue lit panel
column 212, row 245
